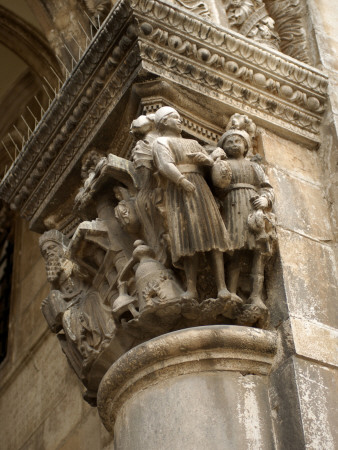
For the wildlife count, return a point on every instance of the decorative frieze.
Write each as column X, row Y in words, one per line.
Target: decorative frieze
column 150, row 38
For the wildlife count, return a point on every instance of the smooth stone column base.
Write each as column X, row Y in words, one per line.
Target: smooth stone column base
column 198, row 388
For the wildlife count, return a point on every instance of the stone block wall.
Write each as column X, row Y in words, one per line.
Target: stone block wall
column 41, row 404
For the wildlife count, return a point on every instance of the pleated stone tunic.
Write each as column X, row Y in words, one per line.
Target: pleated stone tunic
column 194, row 220
column 248, row 180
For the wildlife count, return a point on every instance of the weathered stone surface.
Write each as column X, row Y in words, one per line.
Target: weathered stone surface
column 285, row 408
column 290, row 157
column 310, row 277
column 200, row 411
column 317, row 390
column 301, row 206
column 179, row 365
column 315, row 341
column 229, row 74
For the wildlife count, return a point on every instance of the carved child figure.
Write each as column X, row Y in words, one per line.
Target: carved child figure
column 193, row 218
column 246, row 208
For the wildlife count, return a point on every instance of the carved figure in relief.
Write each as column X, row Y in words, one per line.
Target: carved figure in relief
column 73, row 306
column 250, row 18
column 247, row 210
column 193, row 219
column 148, row 197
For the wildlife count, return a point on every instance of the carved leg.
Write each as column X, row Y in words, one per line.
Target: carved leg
column 218, row 263
column 190, row 268
column 257, row 275
column 233, row 279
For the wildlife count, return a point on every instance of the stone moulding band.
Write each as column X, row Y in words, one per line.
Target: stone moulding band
column 193, row 350
column 162, row 40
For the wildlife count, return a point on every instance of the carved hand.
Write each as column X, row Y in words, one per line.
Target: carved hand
column 218, row 153
column 260, row 203
column 186, row 185
column 201, row 158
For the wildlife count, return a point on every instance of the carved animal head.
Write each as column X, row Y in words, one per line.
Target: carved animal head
column 142, row 126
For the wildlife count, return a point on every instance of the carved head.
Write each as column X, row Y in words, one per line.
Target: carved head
column 126, row 214
column 168, row 120
column 89, row 163
column 237, row 140
column 142, row 126
column 53, row 246
column 235, row 146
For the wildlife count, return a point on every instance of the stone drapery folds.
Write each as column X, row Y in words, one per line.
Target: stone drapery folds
column 181, row 238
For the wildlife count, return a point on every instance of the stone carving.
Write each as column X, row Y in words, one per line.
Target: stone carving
column 180, row 164
column 289, row 23
column 173, row 224
column 98, row 9
column 246, row 205
column 73, row 309
column 196, row 7
column 250, row 18
column 194, row 54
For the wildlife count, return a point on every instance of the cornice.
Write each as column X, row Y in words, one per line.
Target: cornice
column 152, row 37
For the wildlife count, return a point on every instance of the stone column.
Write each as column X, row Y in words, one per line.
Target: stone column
column 198, row 388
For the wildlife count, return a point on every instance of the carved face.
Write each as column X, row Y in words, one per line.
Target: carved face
column 235, row 146
column 173, row 123
column 53, row 253
column 126, row 215
column 50, row 249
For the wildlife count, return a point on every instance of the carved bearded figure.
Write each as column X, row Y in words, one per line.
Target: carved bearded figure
column 193, row 219
column 72, row 306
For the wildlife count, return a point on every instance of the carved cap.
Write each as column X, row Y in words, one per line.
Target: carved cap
column 242, row 133
column 55, row 236
column 164, row 112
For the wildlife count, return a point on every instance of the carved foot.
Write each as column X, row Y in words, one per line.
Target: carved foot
column 233, row 306
column 224, row 294
column 189, row 295
column 257, row 301
column 251, row 314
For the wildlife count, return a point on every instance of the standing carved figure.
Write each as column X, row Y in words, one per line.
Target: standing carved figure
column 193, row 218
column 247, row 208
column 148, row 195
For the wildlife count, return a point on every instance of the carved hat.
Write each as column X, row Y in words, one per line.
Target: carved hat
column 232, row 131
column 163, row 112
column 241, row 125
column 54, row 236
